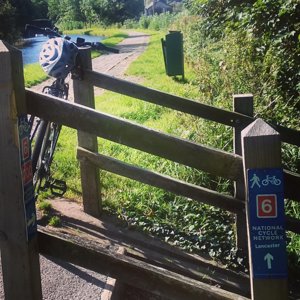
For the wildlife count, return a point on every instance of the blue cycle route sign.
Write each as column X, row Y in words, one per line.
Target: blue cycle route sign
column 26, row 166
column 267, row 223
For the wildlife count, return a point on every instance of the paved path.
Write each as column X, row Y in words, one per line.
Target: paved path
column 64, row 281
column 61, row 280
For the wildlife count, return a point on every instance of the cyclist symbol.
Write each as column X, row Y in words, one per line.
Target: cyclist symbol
column 271, row 180
column 255, row 181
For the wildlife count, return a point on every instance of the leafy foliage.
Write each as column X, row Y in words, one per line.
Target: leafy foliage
column 155, row 22
column 249, row 47
column 273, row 30
column 15, row 14
column 93, row 11
column 8, row 29
column 67, row 14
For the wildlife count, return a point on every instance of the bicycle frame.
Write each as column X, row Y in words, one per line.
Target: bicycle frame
column 44, row 134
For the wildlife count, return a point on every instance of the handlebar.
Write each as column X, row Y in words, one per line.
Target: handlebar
column 80, row 42
column 45, row 31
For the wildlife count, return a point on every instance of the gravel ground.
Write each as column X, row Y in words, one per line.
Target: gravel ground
column 62, row 280
column 65, row 281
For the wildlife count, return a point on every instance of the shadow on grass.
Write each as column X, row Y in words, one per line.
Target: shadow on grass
column 181, row 80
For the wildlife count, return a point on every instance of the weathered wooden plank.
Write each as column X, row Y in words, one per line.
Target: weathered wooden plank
column 261, row 150
column 288, row 135
column 172, row 185
column 291, row 185
column 90, row 179
column 130, row 271
column 292, row 224
column 161, row 181
column 242, row 104
column 19, row 257
column 165, row 99
column 182, row 104
column 130, row 134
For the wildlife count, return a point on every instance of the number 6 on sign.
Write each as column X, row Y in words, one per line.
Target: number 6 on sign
column 266, row 206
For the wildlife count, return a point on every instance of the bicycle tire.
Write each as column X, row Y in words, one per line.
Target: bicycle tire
column 46, row 153
column 38, row 143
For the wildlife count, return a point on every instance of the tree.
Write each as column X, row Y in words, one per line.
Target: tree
column 23, row 12
column 54, row 12
column 88, row 11
column 114, row 11
column 40, row 9
column 8, row 29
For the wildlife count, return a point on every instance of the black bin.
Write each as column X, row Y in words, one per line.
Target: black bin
column 173, row 53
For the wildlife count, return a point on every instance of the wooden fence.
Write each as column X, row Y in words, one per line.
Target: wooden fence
column 213, row 161
column 92, row 124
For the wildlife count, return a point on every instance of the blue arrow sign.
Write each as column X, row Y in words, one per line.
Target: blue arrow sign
column 267, row 223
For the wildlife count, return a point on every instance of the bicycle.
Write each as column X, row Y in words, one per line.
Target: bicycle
column 59, row 58
column 271, row 180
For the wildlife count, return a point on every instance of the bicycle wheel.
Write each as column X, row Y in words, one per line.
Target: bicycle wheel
column 38, row 143
column 46, row 149
column 45, row 135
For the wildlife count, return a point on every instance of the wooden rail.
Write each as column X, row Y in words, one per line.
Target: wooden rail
column 129, row 270
column 291, row 185
column 211, row 113
column 170, row 184
column 142, row 138
column 214, row 161
column 161, row 181
column 139, row 137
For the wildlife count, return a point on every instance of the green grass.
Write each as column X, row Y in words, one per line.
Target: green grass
column 44, row 206
column 34, row 74
column 55, row 221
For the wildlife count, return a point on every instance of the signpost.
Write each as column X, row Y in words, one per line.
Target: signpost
column 18, row 234
column 26, row 167
column 261, row 149
column 266, row 223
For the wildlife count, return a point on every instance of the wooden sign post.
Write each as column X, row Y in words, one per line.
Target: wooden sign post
column 242, row 104
column 18, row 229
column 261, row 148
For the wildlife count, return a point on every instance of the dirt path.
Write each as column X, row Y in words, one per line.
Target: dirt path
column 113, row 64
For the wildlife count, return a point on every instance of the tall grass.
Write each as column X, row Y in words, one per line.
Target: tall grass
column 156, row 22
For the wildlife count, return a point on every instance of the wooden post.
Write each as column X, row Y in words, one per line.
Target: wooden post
column 90, row 179
column 18, row 234
column 261, row 148
column 242, row 104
